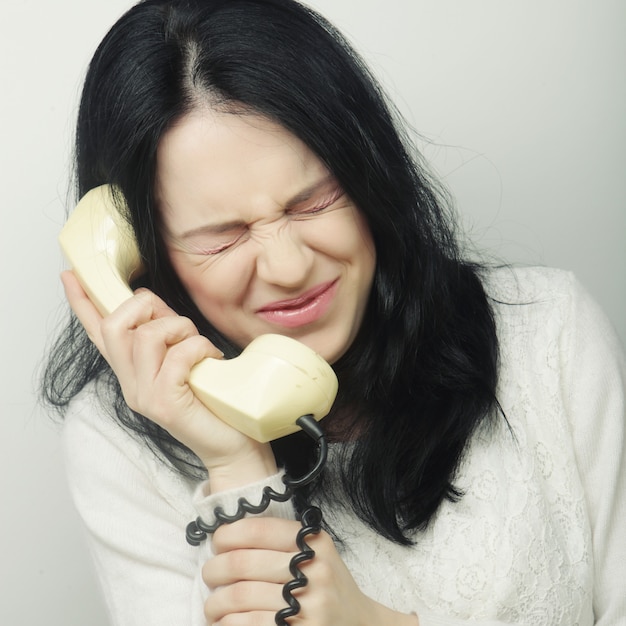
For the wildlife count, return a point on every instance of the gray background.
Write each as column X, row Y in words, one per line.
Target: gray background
column 520, row 106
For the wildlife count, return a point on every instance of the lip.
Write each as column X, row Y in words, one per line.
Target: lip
column 305, row 309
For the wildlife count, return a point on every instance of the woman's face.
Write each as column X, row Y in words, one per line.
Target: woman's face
column 260, row 233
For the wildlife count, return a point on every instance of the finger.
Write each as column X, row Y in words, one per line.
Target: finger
column 152, row 341
column 162, row 379
column 158, row 306
column 239, row 565
column 119, row 332
column 265, row 533
column 142, row 307
column 84, row 309
column 180, row 359
column 243, row 597
column 251, row 618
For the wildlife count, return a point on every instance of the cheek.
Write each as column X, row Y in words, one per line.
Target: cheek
column 345, row 236
column 214, row 284
column 352, row 240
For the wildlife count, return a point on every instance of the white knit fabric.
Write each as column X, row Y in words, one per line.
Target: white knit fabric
column 538, row 538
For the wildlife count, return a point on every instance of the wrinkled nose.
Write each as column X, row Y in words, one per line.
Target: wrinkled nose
column 284, row 259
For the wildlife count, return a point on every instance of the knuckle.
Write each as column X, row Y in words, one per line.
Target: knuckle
column 238, row 593
column 238, row 562
column 179, row 355
column 176, row 328
column 259, row 528
column 187, row 324
column 145, row 332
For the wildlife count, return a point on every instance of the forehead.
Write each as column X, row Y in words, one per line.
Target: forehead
column 224, row 161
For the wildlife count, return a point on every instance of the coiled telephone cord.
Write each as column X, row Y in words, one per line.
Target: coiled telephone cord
column 310, row 519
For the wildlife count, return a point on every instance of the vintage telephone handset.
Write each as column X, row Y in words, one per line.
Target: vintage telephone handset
column 275, row 387
column 283, row 377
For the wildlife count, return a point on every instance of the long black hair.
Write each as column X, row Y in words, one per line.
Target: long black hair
column 421, row 374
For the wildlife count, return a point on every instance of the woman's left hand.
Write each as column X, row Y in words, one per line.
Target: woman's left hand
column 251, row 565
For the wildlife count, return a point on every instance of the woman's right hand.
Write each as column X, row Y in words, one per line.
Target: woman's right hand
column 151, row 349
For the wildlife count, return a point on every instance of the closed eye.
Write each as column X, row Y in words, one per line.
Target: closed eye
column 307, row 210
column 210, row 244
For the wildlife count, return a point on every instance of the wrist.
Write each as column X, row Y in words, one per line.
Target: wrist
column 248, row 467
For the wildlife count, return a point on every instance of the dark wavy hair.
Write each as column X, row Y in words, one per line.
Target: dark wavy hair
column 421, row 374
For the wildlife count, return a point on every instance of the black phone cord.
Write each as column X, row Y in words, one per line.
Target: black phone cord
column 310, row 519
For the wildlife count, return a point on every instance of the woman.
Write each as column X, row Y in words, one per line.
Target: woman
column 476, row 471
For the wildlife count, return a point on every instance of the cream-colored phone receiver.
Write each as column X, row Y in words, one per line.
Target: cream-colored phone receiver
column 261, row 393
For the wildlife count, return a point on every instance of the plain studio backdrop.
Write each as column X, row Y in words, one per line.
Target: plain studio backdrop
column 520, row 107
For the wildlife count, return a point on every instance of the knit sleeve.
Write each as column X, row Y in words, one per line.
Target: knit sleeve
column 594, row 381
column 135, row 510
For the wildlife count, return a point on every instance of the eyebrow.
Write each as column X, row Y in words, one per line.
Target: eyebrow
column 302, row 196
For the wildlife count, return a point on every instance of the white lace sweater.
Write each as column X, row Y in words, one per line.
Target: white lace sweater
column 538, row 538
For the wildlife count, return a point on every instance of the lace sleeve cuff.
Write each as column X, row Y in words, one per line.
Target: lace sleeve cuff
column 228, row 501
